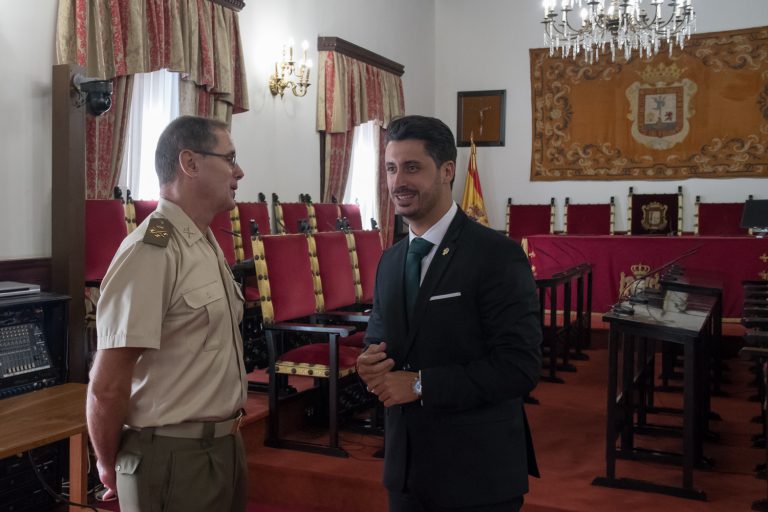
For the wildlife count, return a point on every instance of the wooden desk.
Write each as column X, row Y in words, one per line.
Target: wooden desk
column 634, row 336
column 738, row 258
column 43, row 417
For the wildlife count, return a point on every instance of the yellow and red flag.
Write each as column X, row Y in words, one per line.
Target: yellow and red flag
column 472, row 202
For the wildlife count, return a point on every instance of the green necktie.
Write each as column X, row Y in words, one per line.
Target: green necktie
column 417, row 249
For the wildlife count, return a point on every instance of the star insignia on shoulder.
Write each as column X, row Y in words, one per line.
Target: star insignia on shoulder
column 158, row 232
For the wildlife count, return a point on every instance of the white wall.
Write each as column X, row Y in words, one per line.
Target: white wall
column 445, row 45
column 26, row 39
column 278, row 146
column 277, row 143
column 483, row 45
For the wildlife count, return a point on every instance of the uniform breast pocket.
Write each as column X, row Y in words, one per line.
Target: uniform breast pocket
column 209, row 310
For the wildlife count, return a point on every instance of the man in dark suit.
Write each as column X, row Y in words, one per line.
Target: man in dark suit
column 451, row 355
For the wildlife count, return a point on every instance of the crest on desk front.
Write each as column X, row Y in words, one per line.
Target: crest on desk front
column 654, row 216
column 637, row 281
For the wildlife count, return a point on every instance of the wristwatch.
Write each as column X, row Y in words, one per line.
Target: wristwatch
column 417, row 386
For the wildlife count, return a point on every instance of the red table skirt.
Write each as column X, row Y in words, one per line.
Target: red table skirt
column 733, row 259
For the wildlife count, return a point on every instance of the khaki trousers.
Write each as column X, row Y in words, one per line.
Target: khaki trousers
column 167, row 474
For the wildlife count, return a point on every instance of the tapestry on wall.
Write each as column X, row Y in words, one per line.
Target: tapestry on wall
column 700, row 113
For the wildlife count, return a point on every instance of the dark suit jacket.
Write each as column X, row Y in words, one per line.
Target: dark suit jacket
column 479, row 353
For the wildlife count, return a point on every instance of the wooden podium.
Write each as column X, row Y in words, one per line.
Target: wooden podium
column 42, row 417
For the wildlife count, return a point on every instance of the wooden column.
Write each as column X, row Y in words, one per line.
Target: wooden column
column 68, row 211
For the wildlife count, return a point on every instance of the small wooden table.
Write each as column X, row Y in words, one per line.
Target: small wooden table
column 630, row 388
column 43, row 417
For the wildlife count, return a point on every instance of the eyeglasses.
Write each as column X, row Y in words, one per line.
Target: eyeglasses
column 231, row 158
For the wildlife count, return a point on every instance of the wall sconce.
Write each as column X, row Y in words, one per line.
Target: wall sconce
column 287, row 74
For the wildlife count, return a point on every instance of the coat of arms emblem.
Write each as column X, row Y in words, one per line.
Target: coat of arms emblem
column 660, row 106
column 654, row 216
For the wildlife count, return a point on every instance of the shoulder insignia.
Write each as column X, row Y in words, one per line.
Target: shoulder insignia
column 158, row 232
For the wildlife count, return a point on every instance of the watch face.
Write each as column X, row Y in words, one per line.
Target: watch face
column 417, row 386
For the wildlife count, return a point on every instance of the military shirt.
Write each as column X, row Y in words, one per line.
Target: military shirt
column 182, row 304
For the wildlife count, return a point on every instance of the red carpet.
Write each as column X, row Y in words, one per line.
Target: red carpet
column 568, row 429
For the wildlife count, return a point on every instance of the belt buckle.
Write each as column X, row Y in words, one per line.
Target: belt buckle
column 237, row 421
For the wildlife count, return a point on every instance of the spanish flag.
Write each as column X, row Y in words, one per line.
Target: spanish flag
column 472, row 202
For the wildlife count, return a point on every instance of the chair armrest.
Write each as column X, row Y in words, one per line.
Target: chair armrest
column 341, row 330
column 761, row 322
column 347, row 316
column 243, row 268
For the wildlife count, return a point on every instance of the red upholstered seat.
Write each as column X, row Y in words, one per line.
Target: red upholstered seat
column 529, row 219
column 720, row 219
column 105, row 229
column 352, row 213
column 368, row 246
column 293, row 214
column 222, row 231
column 143, row 209
column 336, row 271
column 290, row 276
column 314, row 361
column 258, row 212
column 588, row 219
column 326, row 216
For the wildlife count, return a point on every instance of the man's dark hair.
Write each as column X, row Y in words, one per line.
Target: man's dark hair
column 438, row 138
column 185, row 132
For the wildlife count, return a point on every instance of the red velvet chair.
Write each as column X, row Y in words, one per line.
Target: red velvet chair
column 326, row 217
column 292, row 291
column 352, row 213
column 143, row 208
column 368, row 251
column 223, row 232
column 524, row 220
column 105, row 229
column 341, row 281
column 258, row 212
column 588, row 219
column 655, row 214
column 289, row 216
column 718, row 219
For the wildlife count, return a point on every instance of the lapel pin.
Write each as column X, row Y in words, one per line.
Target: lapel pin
column 446, row 251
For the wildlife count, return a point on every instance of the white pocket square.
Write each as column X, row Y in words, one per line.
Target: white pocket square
column 445, row 296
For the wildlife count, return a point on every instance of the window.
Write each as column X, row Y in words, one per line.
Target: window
column 154, row 104
column 363, row 180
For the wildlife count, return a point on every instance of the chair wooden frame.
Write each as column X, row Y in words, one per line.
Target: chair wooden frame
column 279, row 370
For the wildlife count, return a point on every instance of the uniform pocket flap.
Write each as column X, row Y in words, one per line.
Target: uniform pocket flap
column 127, row 463
column 204, row 295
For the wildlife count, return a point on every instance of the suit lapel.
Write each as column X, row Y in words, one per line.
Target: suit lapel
column 437, row 268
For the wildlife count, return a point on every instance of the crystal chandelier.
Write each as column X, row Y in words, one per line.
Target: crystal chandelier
column 622, row 25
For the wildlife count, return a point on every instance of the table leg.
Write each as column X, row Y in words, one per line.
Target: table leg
column 78, row 474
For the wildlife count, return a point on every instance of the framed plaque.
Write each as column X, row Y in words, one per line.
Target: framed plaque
column 480, row 115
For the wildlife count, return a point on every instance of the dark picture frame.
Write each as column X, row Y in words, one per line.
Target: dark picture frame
column 481, row 113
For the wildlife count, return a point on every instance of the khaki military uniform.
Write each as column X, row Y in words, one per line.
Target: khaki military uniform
column 169, row 290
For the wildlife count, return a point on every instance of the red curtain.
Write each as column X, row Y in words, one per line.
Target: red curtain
column 114, row 39
column 104, row 142
column 351, row 92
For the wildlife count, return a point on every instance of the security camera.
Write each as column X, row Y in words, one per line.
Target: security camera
column 95, row 93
